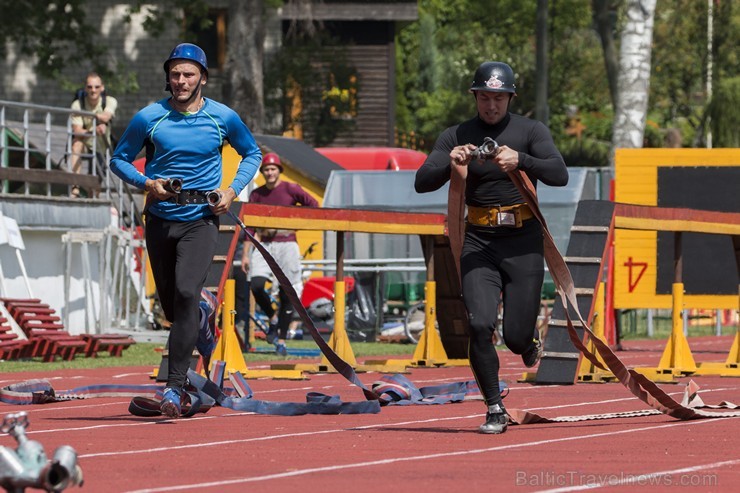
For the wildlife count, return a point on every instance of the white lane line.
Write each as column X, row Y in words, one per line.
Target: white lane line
column 119, row 425
column 124, row 375
column 17, row 380
column 339, row 467
column 56, row 409
column 140, row 423
column 273, row 437
column 300, row 434
column 658, row 478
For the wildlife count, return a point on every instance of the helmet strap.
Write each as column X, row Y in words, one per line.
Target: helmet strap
column 198, row 92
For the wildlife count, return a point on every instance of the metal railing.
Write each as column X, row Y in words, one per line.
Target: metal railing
column 37, row 128
column 36, row 151
column 367, row 265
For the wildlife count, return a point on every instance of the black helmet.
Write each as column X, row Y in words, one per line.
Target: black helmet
column 494, row 77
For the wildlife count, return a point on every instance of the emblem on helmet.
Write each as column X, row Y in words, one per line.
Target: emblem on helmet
column 494, row 82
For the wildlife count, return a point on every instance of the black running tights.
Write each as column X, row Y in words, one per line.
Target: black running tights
column 501, row 263
column 180, row 254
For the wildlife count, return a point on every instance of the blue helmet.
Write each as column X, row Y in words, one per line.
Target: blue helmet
column 188, row 51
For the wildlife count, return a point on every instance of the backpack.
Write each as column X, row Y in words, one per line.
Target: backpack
column 80, row 96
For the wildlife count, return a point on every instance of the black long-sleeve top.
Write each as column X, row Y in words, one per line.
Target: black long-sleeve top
column 487, row 185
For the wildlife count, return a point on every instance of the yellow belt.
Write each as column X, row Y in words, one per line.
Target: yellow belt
column 489, row 216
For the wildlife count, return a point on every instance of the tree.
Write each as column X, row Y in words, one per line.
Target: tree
column 725, row 112
column 634, row 75
column 470, row 32
column 604, row 15
column 542, row 111
column 244, row 88
column 56, row 34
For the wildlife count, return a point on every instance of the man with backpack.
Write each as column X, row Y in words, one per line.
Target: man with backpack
column 93, row 99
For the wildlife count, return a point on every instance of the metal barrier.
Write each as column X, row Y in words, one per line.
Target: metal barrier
column 26, row 123
column 35, row 150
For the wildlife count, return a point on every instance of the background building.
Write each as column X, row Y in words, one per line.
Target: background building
column 363, row 30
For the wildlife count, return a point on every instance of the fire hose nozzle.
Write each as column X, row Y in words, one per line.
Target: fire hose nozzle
column 487, row 150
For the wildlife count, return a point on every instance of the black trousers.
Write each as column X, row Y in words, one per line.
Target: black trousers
column 262, row 298
column 501, row 263
column 180, row 254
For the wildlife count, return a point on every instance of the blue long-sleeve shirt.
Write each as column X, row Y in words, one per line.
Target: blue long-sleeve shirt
column 186, row 146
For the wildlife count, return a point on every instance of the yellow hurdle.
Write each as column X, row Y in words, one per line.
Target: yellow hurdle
column 429, row 351
column 733, row 359
column 588, row 372
column 339, row 341
column 677, row 359
column 228, row 349
column 677, row 355
column 731, row 366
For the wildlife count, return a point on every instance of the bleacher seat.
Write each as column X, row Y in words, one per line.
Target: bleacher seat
column 48, row 339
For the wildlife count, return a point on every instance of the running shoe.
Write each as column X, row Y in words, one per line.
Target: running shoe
column 206, row 342
column 496, row 420
column 272, row 333
column 170, row 405
column 533, row 355
column 281, row 349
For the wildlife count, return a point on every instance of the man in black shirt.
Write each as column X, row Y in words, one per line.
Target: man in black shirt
column 502, row 254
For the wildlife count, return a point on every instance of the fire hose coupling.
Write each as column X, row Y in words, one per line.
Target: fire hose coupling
column 187, row 197
column 213, row 197
column 28, row 465
column 487, row 150
column 173, row 185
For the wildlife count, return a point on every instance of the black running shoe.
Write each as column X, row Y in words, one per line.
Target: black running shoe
column 533, row 354
column 272, row 334
column 496, row 420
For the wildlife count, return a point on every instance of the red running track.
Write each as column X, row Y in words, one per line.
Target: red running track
column 434, row 449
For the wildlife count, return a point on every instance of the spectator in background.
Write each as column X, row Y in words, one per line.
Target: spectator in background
column 281, row 244
column 93, row 99
column 241, row 292
column 673, row 138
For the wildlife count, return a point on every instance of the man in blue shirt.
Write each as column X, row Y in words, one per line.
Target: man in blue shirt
column 183, row 136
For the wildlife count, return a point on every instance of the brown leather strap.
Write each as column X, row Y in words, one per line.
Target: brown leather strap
column 456, row 216
column 640, row 386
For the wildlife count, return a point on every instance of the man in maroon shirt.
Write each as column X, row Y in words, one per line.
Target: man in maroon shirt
column 281, row 244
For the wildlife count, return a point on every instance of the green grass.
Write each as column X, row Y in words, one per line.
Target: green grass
column 146, row 354
column 634, row 326
column 135, row 355
column 361, row 349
